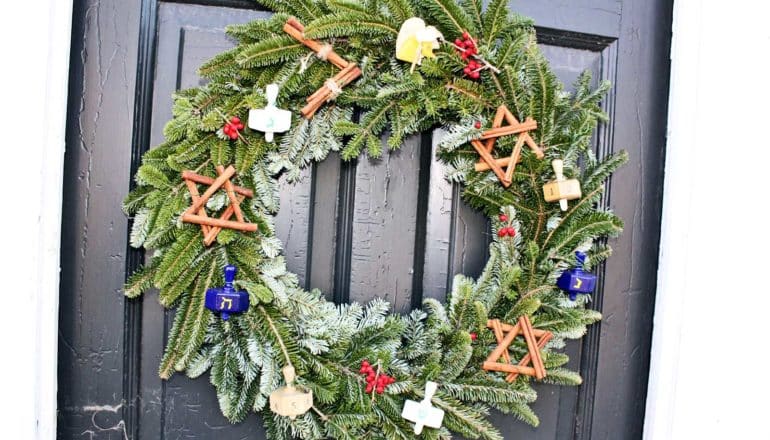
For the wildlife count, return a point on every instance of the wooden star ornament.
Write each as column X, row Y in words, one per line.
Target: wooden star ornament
column 505, row 334
column 522, row 129
column 196, row 213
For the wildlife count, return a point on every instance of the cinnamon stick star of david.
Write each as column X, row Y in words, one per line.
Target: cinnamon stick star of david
column 505, row 334
column 196, row 213
column 522, row 129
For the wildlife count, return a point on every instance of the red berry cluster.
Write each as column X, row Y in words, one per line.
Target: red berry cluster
column 467, row 48
column 374, row 382
column 474, row 336
column 505, row 230
column 232, row 128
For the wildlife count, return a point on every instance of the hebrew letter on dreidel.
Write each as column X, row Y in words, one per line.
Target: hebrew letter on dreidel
column 561, row 189
column 270, row 119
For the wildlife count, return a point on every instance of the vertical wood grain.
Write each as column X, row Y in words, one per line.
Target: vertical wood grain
column 384, row 222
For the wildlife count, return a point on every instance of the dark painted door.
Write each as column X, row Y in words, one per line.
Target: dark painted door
column 348, row 228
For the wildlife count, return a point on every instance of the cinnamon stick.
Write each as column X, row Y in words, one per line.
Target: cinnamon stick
column 509, row 327
column 527, row 358
column 195, row 196
column 293, row 22
column 205, row 180
column 528, row 139
column 537, row 362
column 490, row 161
column 323, row 93
column 509, row 129
column 228, row 224
column 507, row 368
column 515, row 157
column 292, row 27
column 213, row 232
column 498, row 331
column 501, row 162
column 502, row 346
column 336, row 78
column 499, row 115
column 218, row 182
column 231, row 195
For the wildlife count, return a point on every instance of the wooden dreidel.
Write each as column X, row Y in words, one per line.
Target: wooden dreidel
column 226, row 299
column 288, row 401
column 270, row 119
column 416, row 41
column 576, row 280
column 561, row 189
column 423, row 413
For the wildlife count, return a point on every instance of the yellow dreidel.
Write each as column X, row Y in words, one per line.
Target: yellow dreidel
column 561, row 189
column 416, row 41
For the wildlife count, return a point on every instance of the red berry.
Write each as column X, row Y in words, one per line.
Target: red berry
column 235, row 120
column 466, row 35
column 510, row 231
column 365, row 363
column 380, row 390
column 477, row 124
column 391, row 380
column 233, row 136
column 502, row 232
column 503, row 218
column 369, row 388
column 239, row 126
column 475, row 75
column 474, row 336
column 467, row 70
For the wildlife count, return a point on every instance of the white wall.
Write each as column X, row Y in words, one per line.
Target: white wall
column 710, row 347
column 35, row 39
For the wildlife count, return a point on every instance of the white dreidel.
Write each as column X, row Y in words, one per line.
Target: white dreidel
column 561, row 189
column 423, row 413
column 270, row 119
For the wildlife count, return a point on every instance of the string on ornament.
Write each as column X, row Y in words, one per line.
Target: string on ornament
column 349, row 71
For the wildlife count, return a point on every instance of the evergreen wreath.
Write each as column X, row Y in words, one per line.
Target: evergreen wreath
column 327, row 343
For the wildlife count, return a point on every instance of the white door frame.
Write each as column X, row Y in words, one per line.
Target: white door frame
column 33, row 83
column 709, row 350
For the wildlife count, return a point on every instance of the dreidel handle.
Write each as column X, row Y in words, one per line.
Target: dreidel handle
column 558, row 169
column 230, row 272
column 271, row 93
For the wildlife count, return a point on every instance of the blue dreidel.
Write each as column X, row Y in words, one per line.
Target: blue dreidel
column 227, row 300
column 576, row 280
